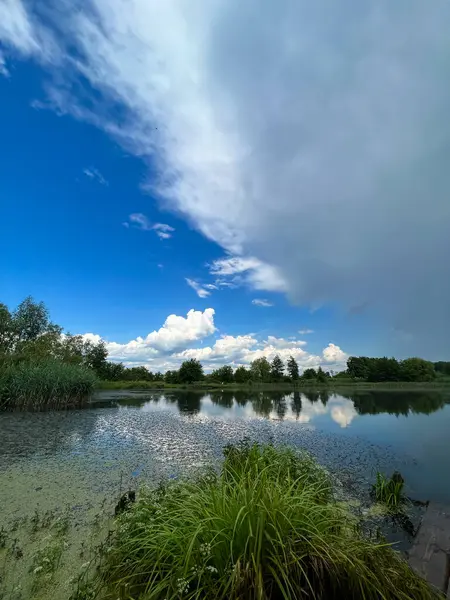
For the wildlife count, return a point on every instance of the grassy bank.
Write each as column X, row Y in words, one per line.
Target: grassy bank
column 332, row 385
column 268, row 527
column 45, row 385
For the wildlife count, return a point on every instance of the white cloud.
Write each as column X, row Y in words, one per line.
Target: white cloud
column 176, row 333
column 3, row 69
column 271, row 131
column 333, row 354
column 201, row 292
column 95, row 175
column 305, row 331
column 262, row 302
column 249, row 270
column 139, row 220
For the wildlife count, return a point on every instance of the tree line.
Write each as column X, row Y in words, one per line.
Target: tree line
column 27, row 335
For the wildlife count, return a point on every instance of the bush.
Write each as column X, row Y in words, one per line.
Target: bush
column 47, row 384
column 267, row 527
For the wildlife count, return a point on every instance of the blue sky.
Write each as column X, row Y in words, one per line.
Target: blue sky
column 144, row 148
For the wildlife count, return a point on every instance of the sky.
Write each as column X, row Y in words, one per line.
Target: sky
column 226, row 181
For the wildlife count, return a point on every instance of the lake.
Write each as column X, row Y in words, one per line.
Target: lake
column 78, row 462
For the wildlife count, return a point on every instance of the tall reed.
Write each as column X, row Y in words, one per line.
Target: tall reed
column 49, row 384
column 267, row 527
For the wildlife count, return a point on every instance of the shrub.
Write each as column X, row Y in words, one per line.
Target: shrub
column 267, row 528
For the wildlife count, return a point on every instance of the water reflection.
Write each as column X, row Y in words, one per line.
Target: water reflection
column 304, row 407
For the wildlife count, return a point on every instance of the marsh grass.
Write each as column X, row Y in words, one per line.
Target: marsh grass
column 44, row 385
column 267, row 527
column 389, row 491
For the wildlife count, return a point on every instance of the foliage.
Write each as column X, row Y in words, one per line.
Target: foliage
column 389, row 369
column 267, row 527
column 292, row 368
column 223, row 374
column 45, row 384
column 260, row 370
column 276, row 369
column 389, row 491
column 190, row 371
column 309, row 374
column 242, row 375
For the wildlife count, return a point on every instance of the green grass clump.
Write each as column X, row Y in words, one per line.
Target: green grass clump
column 43, row 385
column 389, row 491
column 267, row 527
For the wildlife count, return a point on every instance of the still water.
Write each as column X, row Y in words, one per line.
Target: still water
column 125, row 438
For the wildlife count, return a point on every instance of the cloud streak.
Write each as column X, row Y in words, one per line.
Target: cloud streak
column 313, row 140
column 139, row 220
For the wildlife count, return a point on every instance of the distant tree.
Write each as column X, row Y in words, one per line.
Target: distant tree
column 138, row 374
column 6, row 331
column 417, row 369
column 276, row 369
column 384, row 369
column 223, row 374
column 309, row 374
column 171, row 377
column 260, row 370
column 358, row 367
column 321, row 376
column 292, row 368
column 442, row 367
column 158, row 376
column 112, row 371
column 242, row 375
column 190, row 371
column 95, row 358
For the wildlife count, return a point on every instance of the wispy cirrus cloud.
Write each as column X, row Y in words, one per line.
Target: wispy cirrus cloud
column 139, row 220
column 262, row 302
column 95, row 175
column 305, row 331
column 271, row 131
column 202, row 291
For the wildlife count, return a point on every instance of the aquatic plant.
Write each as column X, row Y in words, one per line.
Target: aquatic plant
column 266, row 527
column 389, row 491
column 48, row 384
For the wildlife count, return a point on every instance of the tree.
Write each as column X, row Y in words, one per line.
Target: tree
column 260, row 370
column 171, row 377
column 358, row 367
column 321, row 376
column 95, row 358
column 242, row 375
column 292, row 368
column 276, row 369
column 223, row 374
column 190, row 371
column 112, row 371
column 384, row 369
column 31, row 320
column 417, row 369
column 309, row 374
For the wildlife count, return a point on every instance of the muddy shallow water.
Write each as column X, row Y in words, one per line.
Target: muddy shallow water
column 71, row 461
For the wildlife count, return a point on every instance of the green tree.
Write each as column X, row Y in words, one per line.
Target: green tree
column 276, row 369
column 358, row 367
column 417, row 369
column 172, row 377
column 309, row 374
column 112, row 371
column 158, row 376
column 223, row 374
column 321, row 376
column 260, row 370
column 242, row 375
column 190, row 371
column 31, row 320
column 292, row 368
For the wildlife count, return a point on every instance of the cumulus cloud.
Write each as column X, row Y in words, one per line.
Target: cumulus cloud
column 262, row 302
column 95, row 175
column 197, row 287
column 312, row 139
column 139, row 220
column 176, row 333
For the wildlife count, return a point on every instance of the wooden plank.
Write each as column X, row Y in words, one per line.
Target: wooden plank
column 430, row 554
